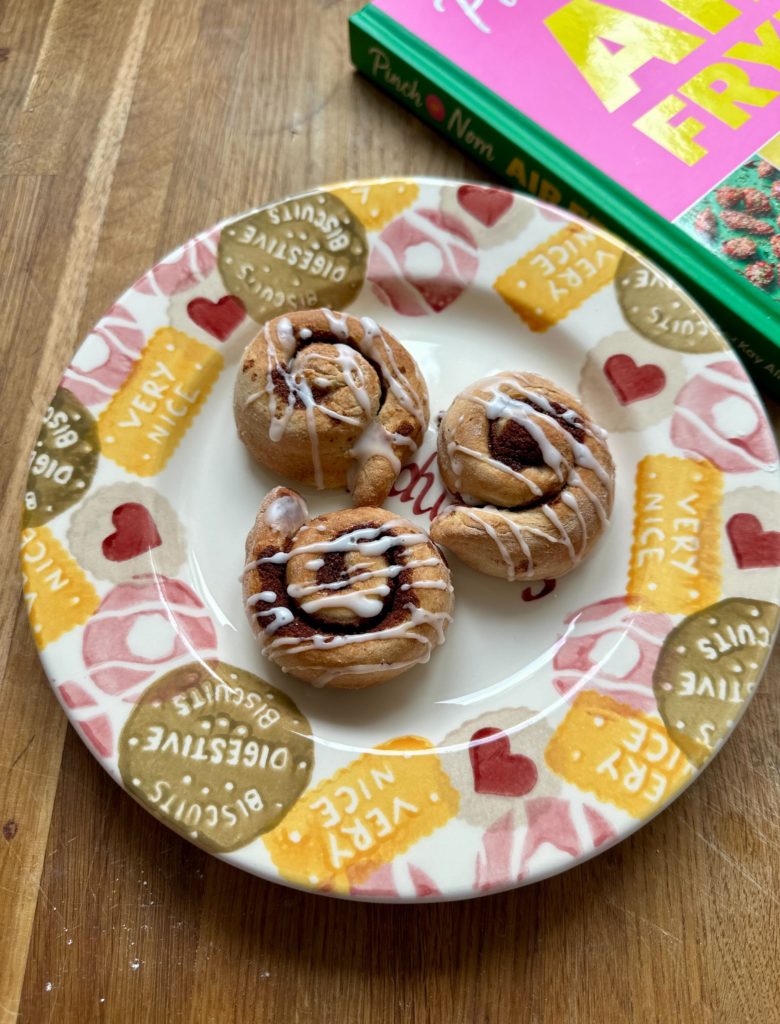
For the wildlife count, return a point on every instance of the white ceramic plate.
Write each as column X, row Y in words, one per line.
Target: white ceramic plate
column 595, row 700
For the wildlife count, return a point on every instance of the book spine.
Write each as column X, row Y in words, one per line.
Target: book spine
column 434, row 104
column 441, row 102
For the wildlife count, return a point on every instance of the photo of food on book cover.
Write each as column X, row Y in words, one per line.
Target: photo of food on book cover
column 659, row 119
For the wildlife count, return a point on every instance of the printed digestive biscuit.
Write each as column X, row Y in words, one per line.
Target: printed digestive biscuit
column 707, row 670
column 660, row 311
column 63, row 461
column 300, row 253
column 216, row 753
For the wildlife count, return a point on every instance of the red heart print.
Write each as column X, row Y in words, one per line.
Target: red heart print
column 495, row 769
column 753, row 547
column 632, row 382
column 487, row 205
column 135, row 533
column 219, row 318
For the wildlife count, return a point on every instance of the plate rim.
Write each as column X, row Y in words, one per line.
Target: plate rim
column 468, row 891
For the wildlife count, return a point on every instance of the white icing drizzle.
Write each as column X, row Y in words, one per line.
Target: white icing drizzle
column 575, row 480
column 286, row 514
column 453, row 446
column 375, row 438
column 519, row 531
column 337, row 322
column 366, row 603
column 281, row 617
column 299, row 591
column 503, row 406
column 317, row 641
column 552, row 515
column 354, row 377
column 373, row 345
column 491, row 532
column 527, row 411
column 286, row 335
column 571, row 502
column 366, row 540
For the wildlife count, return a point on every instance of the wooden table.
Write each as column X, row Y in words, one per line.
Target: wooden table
column 126, row 126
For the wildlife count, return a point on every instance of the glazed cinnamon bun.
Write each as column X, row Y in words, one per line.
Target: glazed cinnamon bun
column 348, row 599
column 532, row 477
column 331, row 400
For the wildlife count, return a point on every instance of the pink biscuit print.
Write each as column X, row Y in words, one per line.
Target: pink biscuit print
column 383, row 883
column 106, row 358
column 493, row 869
column 422, row 262
column 554, row 821
column 183, row 268
column 717, row 416
column 613, row 650
column 95, row 727
column 141, row 629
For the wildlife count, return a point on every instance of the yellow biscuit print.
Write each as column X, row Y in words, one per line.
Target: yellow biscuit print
column 377, row 204
column 546, row 284
column 675, row 558
column 622, row 757
column 345, row 828
column 58, row 594
column 147, row 418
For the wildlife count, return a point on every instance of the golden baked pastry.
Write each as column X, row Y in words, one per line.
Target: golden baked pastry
column 532, row 476
column 349, row 599
column 331, row 400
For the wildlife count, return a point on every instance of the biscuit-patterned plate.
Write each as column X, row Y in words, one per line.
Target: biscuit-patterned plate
column 558, row 717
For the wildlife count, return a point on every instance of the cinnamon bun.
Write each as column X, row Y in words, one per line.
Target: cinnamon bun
column 532, row 477
column 331, row 400
column 348, row 599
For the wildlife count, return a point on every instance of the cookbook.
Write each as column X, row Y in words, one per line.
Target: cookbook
column 659, row 119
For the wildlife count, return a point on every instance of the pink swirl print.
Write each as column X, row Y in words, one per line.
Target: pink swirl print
column 103, row 363
column 718, row 417
column 613, row 650
column 422, row 262
column 141, row 629
column 183, row 268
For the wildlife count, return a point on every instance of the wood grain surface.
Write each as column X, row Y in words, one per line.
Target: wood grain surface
column 125, row 127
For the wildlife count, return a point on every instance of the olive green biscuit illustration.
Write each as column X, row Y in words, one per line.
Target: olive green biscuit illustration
column 216, row 753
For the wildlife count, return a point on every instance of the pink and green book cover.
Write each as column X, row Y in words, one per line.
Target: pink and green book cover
column 658, row 118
